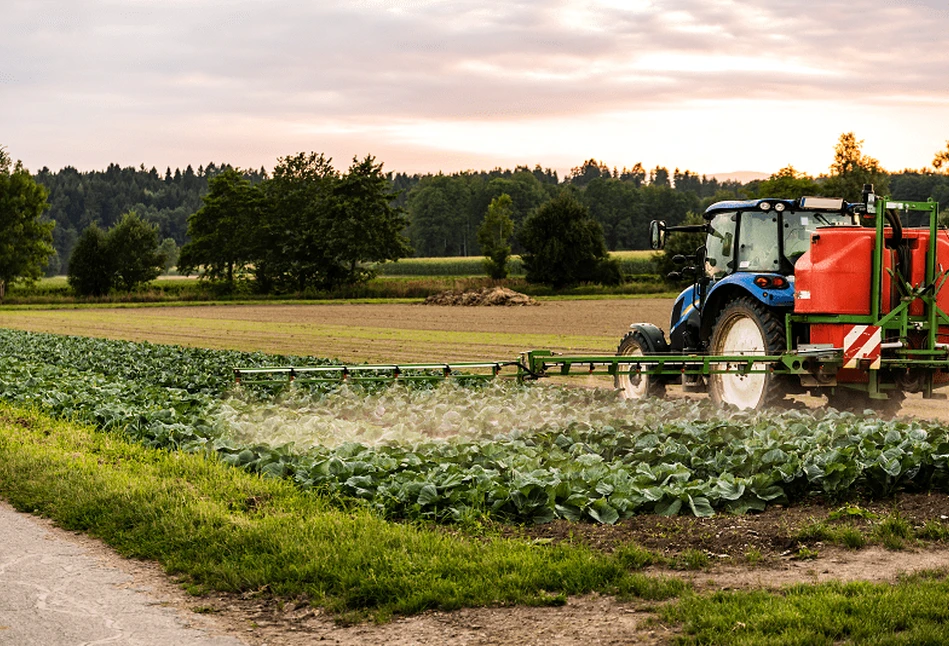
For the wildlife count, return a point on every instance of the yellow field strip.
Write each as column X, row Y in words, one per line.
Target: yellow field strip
column 348, row 343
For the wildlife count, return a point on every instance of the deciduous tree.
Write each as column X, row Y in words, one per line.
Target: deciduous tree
column 222, row 230
column 366, row 227
column 494, row 235
column 133, row 246
column 788, row 183
column 564, row 245
column 852, row 169
column 91, row 267
column 942, row 158
column 291, row 251
column 322, row 230
column 26, row 242
column 124, row 257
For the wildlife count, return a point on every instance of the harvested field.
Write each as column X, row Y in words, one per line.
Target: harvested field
column 363, row 332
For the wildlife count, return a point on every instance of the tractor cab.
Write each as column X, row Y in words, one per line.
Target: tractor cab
column 751, row 248
column 742, row 288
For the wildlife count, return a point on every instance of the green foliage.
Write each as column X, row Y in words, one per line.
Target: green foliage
column 167, row 199
column 91, row 266
column 170, row 252
column 692, row 559
column 133, row 245
column 852, row 169
column 222, row 231
column 125, row 257
column 941, row 157
column 25, row 239
column 787, row 183
column 494, row 235
column 564, row 245
column 367, row 228
column 913, row 611
column 322, row 230
column 649, row 457
column 222, row 529
column 445, row 211
column 588, row 171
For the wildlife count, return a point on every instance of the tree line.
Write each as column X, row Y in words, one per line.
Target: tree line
column 443, row 211
column 307, row 225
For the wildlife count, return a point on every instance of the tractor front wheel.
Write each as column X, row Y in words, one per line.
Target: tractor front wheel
column 746, row 327
column 629, row 380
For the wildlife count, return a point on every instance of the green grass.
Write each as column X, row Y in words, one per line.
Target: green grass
column 631, row 263
column 913, row 611
column 855, row 528
column 55, row 291
column 220, row 528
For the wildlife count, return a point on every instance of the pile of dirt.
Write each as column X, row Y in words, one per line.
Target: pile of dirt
column 485, row 296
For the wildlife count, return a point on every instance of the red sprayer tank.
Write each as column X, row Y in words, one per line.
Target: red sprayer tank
column 834, row 277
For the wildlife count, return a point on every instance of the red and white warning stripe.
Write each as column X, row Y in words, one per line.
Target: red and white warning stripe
column 863, row 342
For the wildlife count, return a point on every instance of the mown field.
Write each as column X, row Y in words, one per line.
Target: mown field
column 631, row 263
column 488, row 464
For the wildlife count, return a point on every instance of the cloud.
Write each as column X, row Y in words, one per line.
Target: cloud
column 367, row 66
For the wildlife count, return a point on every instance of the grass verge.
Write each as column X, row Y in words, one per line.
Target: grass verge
column 220, row 528
column 913, row 611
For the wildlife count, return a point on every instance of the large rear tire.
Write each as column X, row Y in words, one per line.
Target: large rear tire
column 629, row 383
column 746, row 327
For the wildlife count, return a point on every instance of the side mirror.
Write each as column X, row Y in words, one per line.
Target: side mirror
column 657, row 234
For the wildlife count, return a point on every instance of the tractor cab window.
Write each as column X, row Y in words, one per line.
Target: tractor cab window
column 798, row 227
column 720, row 245
column 758, row 247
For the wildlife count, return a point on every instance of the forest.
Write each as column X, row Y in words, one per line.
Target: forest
column 444, row 211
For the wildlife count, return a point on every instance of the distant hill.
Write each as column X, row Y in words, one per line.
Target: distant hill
column 742, row 176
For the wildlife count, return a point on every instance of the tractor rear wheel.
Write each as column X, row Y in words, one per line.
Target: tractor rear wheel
column 630, row 383
column 746, row 327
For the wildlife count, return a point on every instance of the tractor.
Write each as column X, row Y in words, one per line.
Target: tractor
column 844, row 299
column 813, row 295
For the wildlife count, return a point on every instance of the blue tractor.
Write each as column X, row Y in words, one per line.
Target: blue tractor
column 743, row 286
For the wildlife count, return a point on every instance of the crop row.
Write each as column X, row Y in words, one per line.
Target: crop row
column 512, row 452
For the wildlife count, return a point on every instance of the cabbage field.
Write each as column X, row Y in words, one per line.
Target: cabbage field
column 506, row 451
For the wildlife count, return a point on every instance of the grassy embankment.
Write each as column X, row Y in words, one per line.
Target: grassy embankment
column 220, row 528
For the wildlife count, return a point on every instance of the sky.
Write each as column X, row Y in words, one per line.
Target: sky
column 711, row 86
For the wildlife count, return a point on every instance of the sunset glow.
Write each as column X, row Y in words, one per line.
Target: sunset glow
column 429, row 86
